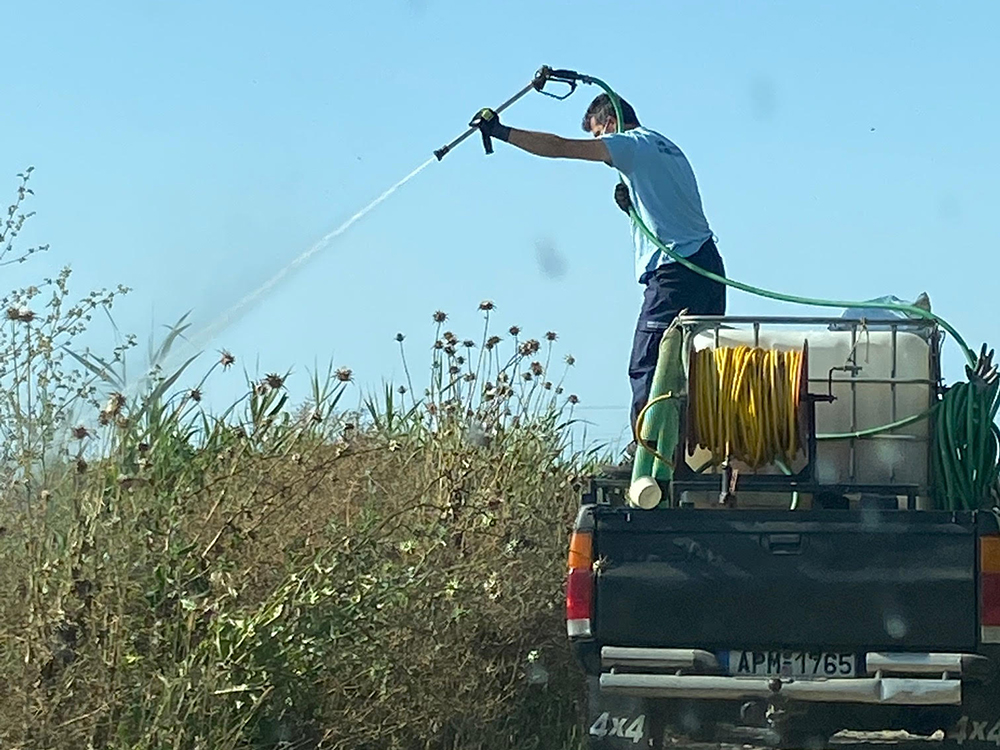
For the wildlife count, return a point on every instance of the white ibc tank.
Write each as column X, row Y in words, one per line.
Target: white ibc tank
column 860, row 404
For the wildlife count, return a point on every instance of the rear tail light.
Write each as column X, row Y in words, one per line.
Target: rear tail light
column 989, row 589
column 580, row 584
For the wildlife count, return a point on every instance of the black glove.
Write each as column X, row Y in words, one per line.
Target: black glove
column 488, row 122
column 622, row 197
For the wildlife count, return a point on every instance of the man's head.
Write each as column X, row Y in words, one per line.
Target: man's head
column 601, row 119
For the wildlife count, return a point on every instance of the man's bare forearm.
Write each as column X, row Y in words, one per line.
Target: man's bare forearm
column 556, row 147
column 539, row 144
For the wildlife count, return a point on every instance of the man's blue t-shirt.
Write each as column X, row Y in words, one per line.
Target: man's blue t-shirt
column 664, row 192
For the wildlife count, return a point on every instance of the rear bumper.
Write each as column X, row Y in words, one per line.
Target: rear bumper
column 889, row 691
column 889, row 679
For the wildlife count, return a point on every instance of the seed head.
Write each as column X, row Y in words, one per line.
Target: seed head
column 469, row 377
column 103, row 418
column 400, row 337
column 454, row 370
column 537, row 369
column 439, row 344
column 551, row 336
column 11, row 313
column 274, row 380
column 344, row 374
column 486, row 305
column 449, row 350
column 529, row 347
column 226, row 359
column 81, row 466
column 547, row 385
column 440, row 316
column 573, row 398
column 570, row 360
column 492, row 341
column 526, row 375
column 401, row 390
column 262, row 388
column 469, row 344
column 80, row 432
column 195, row 394
column 459, row 360
column 22, row 314
column 514, row 330
column 559, row 390
column 115, row 403
column 450, row 337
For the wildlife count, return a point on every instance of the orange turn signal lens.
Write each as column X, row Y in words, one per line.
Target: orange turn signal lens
column 581, row 550
column 989, row 554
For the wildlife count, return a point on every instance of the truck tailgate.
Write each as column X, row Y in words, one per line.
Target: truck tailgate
column 786, row 579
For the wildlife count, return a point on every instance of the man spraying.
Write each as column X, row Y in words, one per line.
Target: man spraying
column 658, row 177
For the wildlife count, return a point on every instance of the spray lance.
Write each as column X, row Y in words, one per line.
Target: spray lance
column 543, row 75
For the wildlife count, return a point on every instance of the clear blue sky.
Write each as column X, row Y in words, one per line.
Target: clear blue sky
column 190, row 150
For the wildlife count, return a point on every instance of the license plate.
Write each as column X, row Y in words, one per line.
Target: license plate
column 791, row 664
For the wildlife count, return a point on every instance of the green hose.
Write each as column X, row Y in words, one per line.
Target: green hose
column 966, row 459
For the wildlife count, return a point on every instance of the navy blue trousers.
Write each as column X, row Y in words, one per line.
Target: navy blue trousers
column 670, row 289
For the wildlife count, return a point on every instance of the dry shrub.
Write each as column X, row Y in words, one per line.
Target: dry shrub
column 311, row 578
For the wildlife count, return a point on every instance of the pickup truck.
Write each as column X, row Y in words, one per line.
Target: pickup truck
column 801, row 622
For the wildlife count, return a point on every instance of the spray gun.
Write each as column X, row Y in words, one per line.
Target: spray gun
column 544, row 75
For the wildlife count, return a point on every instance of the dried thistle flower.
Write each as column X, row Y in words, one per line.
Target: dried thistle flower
column 469, row 377
column 226, row 359
column 11, row 313
column 401, row 390
column 344, row 374
column 486, row 305
column 537, row 369
column 469, row 344
column 195, row 394
column 274, row 380
column 454, row 370
column 449, row 350
column 439, row 344
column 115, row 403
column 262, row 388
column 450, row 337
column 492, row 341
column 551, row 336
column 103, row 418
column 400, row 337
column 526, row 375
column 514, row 330
column 529, row 347
column 573, row 398
column 570, row 360
column 459, row 360
column 80, row 432
column 25, row 315
column 81, row 466
column 547, row 385
column 440, row 316
column 559, row 390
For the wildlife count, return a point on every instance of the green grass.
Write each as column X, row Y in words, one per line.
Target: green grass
column 279, row 575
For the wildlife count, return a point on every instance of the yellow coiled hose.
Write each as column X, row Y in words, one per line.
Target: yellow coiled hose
column 745, row 403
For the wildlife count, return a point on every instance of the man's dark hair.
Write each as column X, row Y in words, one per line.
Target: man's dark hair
column 602, row 109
